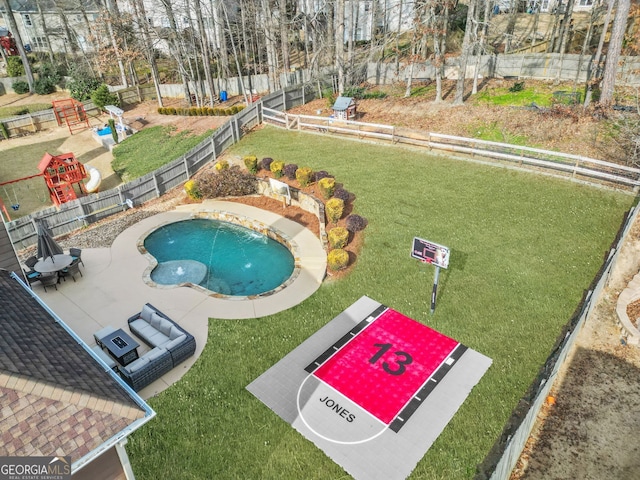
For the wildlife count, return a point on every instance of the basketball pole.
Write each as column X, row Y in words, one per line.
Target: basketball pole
column 435, row 290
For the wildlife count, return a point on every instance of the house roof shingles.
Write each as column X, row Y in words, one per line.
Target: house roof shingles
column 55, row 399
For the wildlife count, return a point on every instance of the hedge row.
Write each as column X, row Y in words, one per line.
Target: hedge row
column 201, row 111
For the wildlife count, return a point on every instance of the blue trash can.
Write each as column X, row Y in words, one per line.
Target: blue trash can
column 223, row 96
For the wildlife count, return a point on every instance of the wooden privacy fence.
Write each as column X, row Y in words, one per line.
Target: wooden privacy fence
column 34, row 122
column 575, row 166
column 92, row 208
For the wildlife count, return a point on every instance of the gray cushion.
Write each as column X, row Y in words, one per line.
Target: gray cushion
column 142, row 328
column 156, row 320
column 146, row 312
column 165, row 326
column 175, row 332
column 157, row 339
column 176, row 341
column 155, row 353
column 137, row 364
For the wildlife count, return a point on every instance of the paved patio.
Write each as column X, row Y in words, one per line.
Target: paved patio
column 112, row 287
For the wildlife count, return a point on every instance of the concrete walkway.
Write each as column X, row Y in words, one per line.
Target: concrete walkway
column 112, row 287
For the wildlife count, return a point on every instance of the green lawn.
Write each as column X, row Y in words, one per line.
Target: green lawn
column 523, row 250
column 134, row 158
column 18, row 162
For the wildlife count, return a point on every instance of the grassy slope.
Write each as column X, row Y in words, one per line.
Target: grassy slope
column 524, row 248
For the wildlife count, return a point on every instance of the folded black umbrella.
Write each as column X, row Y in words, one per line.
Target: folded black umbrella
column 47, row 246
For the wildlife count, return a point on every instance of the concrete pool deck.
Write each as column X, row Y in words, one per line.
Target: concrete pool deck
column 112, row 287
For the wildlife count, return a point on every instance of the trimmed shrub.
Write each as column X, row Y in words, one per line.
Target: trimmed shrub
column 101, row 96
column 44, row 86
column 334, row 209
column 304, row 175
column 327, row 186
column 193, row 111
column 289, row 171
column 171, row 110
column 265, row 163
column 276, row 168
column 338, row 237
column 342, row 194
column 15, row 68
column 210, row 111
column 161, row 110
column 251, row 162
column 20, row 86
column 4, row 131
column 337, row 259
column 355, row 223
column 191, row 187
column 114, row 132
column 221, row 165
column 319, row 175
column 230, row 182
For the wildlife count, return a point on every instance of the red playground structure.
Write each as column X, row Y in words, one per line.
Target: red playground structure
column 60, row 172
column 72, row 113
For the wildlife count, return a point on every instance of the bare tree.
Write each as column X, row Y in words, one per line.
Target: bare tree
column 613, row 52
column 147, row 45
column 13, row 28
column 467, row 45
column 45, row 32
column 595, row 61
column 339, row 55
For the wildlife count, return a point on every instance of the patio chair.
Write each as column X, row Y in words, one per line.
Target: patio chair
column 76, row 253
column 49, row 280
column 32, row 276
column 71, row 270
column 31, row 262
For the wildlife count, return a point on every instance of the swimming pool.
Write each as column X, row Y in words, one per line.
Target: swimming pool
column 222, row 257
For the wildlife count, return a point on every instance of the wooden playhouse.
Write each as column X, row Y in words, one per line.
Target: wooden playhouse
column 61, row 172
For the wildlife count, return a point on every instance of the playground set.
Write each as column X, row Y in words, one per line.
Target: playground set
column 71, row 112
column 61, row 173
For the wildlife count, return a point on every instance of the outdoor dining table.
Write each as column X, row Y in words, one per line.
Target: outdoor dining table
column 53, row 264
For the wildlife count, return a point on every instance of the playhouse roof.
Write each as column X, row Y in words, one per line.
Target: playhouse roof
column 342, row 103
column 48, row 159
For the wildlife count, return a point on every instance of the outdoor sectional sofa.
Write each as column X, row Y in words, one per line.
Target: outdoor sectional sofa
column 170, row 343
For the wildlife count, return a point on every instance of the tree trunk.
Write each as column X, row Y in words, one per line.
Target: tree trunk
column 284, row 35
column 467, row 44
column 111, row 14
column 140, row 12
column 206, row 57
column 594, row 65
column 339, row 57
column 613, row 52
column 45, row 32
column 175, row 45
column 13, row 28
column 567, row 27
column 480, row 50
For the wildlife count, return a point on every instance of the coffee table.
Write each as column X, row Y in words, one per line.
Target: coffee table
column 121, row 347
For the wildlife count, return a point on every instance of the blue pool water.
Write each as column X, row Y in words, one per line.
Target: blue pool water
column 239, row 261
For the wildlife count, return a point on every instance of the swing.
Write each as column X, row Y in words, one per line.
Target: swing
column 16, row 205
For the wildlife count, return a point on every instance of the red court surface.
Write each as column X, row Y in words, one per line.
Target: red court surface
column 384, row 365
